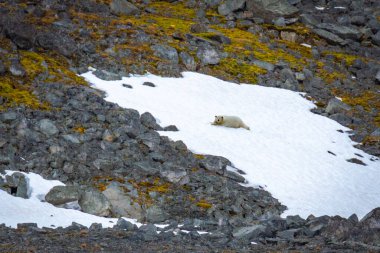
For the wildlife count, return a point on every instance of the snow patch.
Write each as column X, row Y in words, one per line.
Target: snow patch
column 286, row 149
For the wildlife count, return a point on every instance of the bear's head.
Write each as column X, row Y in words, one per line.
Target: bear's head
column 218, row 120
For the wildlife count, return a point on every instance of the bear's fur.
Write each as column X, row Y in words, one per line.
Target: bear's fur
column 229, row 121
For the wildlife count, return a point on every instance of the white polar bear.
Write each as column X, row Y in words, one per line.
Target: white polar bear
column 229, row 121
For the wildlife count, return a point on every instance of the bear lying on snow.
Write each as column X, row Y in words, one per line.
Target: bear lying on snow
column 229, row 121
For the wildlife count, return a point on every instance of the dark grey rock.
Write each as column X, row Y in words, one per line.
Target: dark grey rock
column 357, row 161
column 155, row 214
column 250, row 232
column 61, row 194
column 8, row 117
column 309, row 19
column 220, row 38
column 208, row 55
column 344, row 32
column 216, row 164
column 149, row 232
column 198, row 28
column 330, row 37
column 123, row 7
column 171, row 128
column 271, row 8
column 188, row 61
column 174, row 174
column 127, row 86
column 295, row 221
column 230, row 6
column 288, row 234
column 336, row 106
column 149, row 84
column 18, row 182
column 149, row 121
column 106, row 75
column 234, row 176
column 166, row 52
column 376, row 38
column 264, row 65
column 94, row 202
column 47, row 127
column 124, row 224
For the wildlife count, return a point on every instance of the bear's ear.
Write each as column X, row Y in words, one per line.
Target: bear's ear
column 216, row 116
column 221, row 117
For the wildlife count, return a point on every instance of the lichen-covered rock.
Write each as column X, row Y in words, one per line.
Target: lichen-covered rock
column 61, row 194
column 94, row 202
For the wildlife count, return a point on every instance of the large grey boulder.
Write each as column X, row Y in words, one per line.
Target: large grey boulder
column 336, row 106
column 344, row 32
column 122, row 204
column 230, row 6
column 166, row 52
column 94, row 202
column 188, row 61
column 174, row 174
column 149, row 121
column 62, row 194
column 18, row 184
column 123, row 7
column 47, row 127
column 208, row 55
column 216, row 164
column 106, row 75
column 376, row 38
column 330, row 37
column 268, row 9
column 155, row 214
column 250, row 232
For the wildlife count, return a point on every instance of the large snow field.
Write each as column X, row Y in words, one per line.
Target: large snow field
column 286, row 150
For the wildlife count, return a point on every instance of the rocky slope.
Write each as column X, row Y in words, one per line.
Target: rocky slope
column 53, row 124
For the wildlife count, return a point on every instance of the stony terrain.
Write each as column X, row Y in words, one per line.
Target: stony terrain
column 53, row 124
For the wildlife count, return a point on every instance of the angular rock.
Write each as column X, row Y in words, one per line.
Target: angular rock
column 208, row 55
column 155, row 214
column 378, row 77
column 106, row 75
column 166, row 52
column 122, row 204
column 250, row 232
column 8, row 117
column 216, row 164
column 94, row 202
column 376, row 38
column 289, row 36
column 174, row 174
column 230, row 6
column 16, row 68
column 48, row 127
column 149, row 84
column 188, row 61
column 123, row 7
column 344, row 32
column 124, row 224
column 264, row 65
column 62, row 194
column 149, row 121
column 268, row 9
column 336, row 106
column 18, row 184
column 330, row 37
column 71, row 138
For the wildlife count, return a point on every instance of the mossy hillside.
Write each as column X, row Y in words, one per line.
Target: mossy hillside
column 38, row 66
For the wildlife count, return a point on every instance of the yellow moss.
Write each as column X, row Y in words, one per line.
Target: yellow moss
column 231, row 68
column 340, row 57
column 204, row 204
column 79, row 129
column 299, row 29
column 368, row 100
column 199, row 157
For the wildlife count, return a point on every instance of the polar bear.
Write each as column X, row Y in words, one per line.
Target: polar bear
column 229, row 121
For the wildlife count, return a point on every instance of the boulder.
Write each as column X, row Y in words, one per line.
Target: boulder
column 336, row 106
column 123, row 7
column 106, row 75
column 155, row 214
column 230, row 6
column 208, row 55
column 94, row 202
column 122, row 204
column 62, row 194
column 18, row 184
column 47, row 127
column 149, row 121
column 268, row 9
column 166, row 52
column 330, row 37
column 216, row 164
column 188, row 61
column 344, row 32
